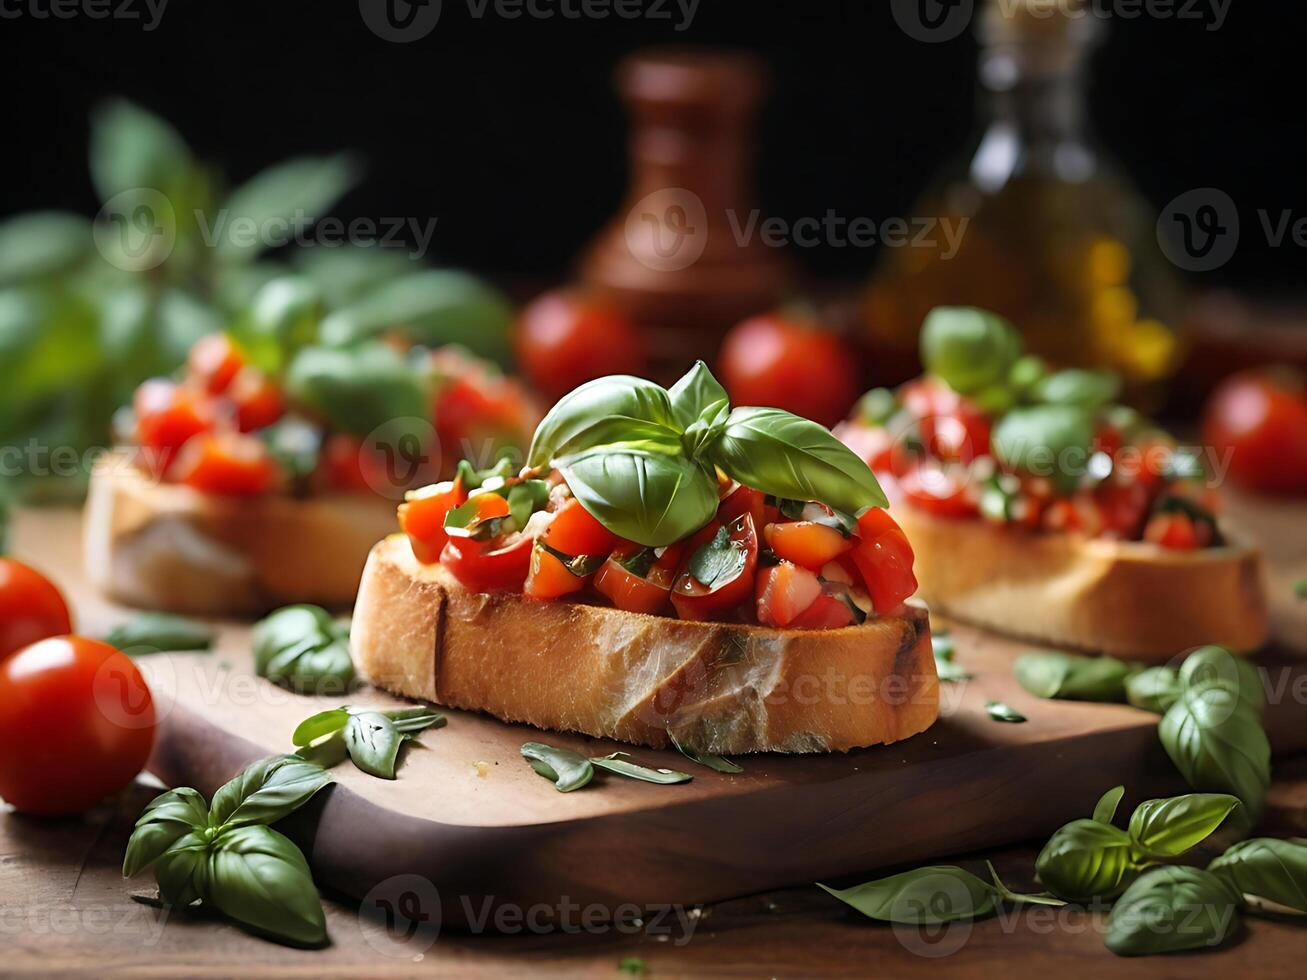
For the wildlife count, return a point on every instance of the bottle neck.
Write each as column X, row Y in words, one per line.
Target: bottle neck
column 1044, row 103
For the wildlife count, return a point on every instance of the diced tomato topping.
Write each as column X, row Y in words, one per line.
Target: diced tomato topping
column 343, row 464
column 938, row 489
column 489, row 566
column 1108, row 440
column 1174, row 530
column 827, row 612
column 1062, row 515
column 884, row 560
column 573, row 531
column 167, row 415
column 213, row 362
column 783, row 591
column 806, row 543
column 422, row 517
column 227, row 463
column 549, row 578
column 1122, row 508
column 746, row 500
column 698, row 600
column 629, row 591
column 258, row 401
column 489, row 505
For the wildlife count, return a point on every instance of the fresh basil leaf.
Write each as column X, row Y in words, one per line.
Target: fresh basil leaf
column 1025, row 373
column 132, row 148
column 968, row 348
column 787, row 456
column 1051, row 441
column 877, row 407
column 1170, row 827
column 525, row 498
column 998, row 497
column 1216, row 665
column 1105, row 809
column 1052, row 674
column 260, row 879
column 169, row 817
column 40, row 244
column 1090, row 390
column 566, row 769
column 373, row 742
column 265, row 791
column 182, row 870
column 612, row 411
column 616, row 763
column 943, row 647
column 632, row 966
column 160, row 631
column 360, row 389
column 1171, row 909
column 1219, row 746
column 695, row 392
column 651, row 498
column 304, row 648
column 715, row 762
column 292, row 190
column 924, row 896
column 465, row 521
column 1007, row 893
column 326, row 752
column 718, row 561
column 412, row 720
column 282, row 320
column 344, row 273
column 323, row 723
column 1154, row 689
column 1086, row 859
column 1264, row 870
column 296, row 445
column 1001, row 711
column 1300, row 588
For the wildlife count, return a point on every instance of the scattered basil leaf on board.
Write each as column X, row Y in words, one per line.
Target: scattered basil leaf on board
column 1011, row 896
column 1085, row 860
column 1212, row 665
column 1053, row 674
column 168, row 818
column 304, row 648
column 160, row 631
column 326, row 752
column 409, row 721
column 1154, row 689
column 1168, row 828
column 943, row 647
column 924, row 896
column 1001, row 711
column 1265, row 870
column 715, row 762
column 1105, row 809
column 265, row 791
column 617, row 763
column 1172, row 909
column 323, row 723
column 372, row 739
column 260, row 879
column 632, row 966
column 373, row 743
column 566, row 769
column 1300, row 588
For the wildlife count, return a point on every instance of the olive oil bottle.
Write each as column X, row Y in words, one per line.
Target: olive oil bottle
column 1055, row 239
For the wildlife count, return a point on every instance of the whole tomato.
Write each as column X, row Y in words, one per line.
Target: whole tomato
column 789, row 362
column 76, row 724
column 566, row 338
column 1260, row 418
column 31, row 607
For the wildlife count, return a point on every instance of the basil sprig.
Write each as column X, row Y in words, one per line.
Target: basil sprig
column 1067, row 676
column 643, row 460
column 1270, row 874
column 569, row 770
column 151, row 631
column 1172, row 909
column 227, row 857
column 304, row 648
column 371, row 739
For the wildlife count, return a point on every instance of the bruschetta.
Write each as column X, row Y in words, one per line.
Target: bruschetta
column 664, row 568
column 1041, row 507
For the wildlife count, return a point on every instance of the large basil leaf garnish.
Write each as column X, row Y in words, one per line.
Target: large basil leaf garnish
column 1168, row 828
column 265, row 791
column 373, row 742
column 168, row 818
column 614, row 410
column 1267, row 870
column 924, row 896
column 304, row 648
column 1171, row 909
column 968, row 348
column 695, row 393
column 787, row 456
column 181, row 871
column 1085, row 860
column 259, row 878
column 1052, row 674
column 651, row 498
column 361, row 389
column 1045, row 440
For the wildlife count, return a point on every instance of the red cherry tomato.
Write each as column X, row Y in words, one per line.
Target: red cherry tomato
column 806, row 543
column 489, row 566
column 1260, row 419
column 565, row 338
column 783, row 591
column 258, row 401
column 422, row 517
column 227, row 463
column 214, row 362
column 698, row 600
column 167, row 416
column 31, row 607
column 884, row 559
column 549, row 578
column 627, row 590
column 790, row 363
column 574, row 532
column 827, row 612
column 78, row 721
column 1175, row 531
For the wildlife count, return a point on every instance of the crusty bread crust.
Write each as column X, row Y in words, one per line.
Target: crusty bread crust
column 1131, row 599
column 582, row 668
column 164, row 546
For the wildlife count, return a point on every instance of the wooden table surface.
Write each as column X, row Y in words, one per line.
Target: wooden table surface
column 64, row 909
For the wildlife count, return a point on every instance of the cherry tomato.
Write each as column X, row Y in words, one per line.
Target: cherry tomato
column 258, row 400
column 827, row 612
column 574, row 532
column 783, row 591
column 422, row 517
column 499, row 565
column 951, row 427
column 884, row 559
column 549, row 578
column 31, row 607
column 167, row 416
column 565, row 338
column 791, row 363
column 698, row 600
column 78, row 721
column 1260, row 419
column 627, row 590
column 213, row 362
column 939, row 489
column 805, row 543
column 227, row 463
column 476, row 410
column 1175, row 531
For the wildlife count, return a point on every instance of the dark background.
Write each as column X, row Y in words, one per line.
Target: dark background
column 508, row 130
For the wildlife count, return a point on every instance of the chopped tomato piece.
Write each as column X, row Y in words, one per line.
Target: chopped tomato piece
column 1121, row 508
column 167, row 416
column 784, row 591
column 635, row 593
column 746, row 500
column 573, row 531
column 214, row 362
column 344, row 464
column 422, row 517
column 489, row 566
column 806, row 543
column 695, row 599
column 1061, row 515
column 549, row 578
column 938, row 490
column 258, row 401
column 227, row 463
column 884, row 559
column 827, row 612
column 490, row 505
column 1176, row 531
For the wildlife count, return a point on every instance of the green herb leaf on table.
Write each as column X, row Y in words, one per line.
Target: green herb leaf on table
column 1170, row 827
column 1086, row 859
column 715, row 762
column 155, row 631
column 1300, row 588
column 1008, row 894
column 1171, row 909
column 1105, row 809
column 181, row 870
column 924, row 896
column 372, row 739
column 1270, row 874
column 1154, row 689
column 260, row 879
column 1053, row 674
column 304, row 648
column 1001, row 711
column 1214, row 665
column 632, row 966
column 566, row 769
column 265, row 791
column 316, row 726
column 617, row 763
column 944, row 647
column 373, row 743
column 169, row 817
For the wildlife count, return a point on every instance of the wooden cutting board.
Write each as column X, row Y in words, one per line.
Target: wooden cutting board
column 468, row 814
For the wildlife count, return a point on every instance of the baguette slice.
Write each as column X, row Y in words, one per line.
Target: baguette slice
column 1130, row 599
column 169, row 547
column 567, row 666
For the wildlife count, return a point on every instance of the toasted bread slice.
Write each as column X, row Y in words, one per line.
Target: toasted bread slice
column 1278, row 527
column 1131, row 599
column 169, row 547
column 568, row 666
